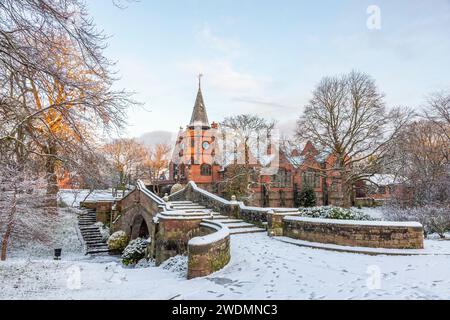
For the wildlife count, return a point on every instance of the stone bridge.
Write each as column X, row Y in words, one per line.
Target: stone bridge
column 198, row 223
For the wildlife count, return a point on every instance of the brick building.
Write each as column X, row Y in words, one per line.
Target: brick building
column 199, row 157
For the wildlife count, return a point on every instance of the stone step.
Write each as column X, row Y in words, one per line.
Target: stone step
column 180, row 202
column 96, row 245
column 246, row 230
column 239, row 225
column 231, row 223
column 187, row 208
column 220, row 217
column 93, row 237
column 88, row 228
column 97, row 251
column 91, row 234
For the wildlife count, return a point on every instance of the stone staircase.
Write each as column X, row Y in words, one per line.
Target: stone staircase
column 91, row 233
column 236, row 226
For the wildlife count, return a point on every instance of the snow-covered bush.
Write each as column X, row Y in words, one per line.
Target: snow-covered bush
column 135, row 251
column 104, row 230
column 177, row 264
column 118, row 241
column 435, row 219
column 330, row 212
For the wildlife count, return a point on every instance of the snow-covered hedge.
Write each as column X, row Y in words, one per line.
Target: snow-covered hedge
column 118, row 241
column 330, row 212
column 135, row 251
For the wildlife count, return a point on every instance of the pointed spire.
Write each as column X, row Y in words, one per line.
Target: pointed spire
column 199, row 117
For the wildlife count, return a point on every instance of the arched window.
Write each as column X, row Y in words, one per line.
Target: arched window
column 205, row 170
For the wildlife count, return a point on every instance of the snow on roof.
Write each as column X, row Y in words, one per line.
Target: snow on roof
column 296, row 161
column 323, row 155
column 385, row 179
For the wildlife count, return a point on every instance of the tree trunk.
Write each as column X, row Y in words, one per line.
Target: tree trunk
column 52, row 181
column 9, row 227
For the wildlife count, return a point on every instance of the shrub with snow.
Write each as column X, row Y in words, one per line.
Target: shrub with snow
column 104, row 230
column 135, row 251
column 330, row 212
column 434, row 218
column 177, row 264
column 118, row 241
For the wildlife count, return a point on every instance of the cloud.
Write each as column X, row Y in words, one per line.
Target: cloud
column 153, row 138
column 228, row 47
column 264, row 103
column 221, row 75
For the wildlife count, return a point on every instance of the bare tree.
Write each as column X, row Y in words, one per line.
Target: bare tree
column 128, row 158
column 438, row 111
column 157, row 163
column 247, row 131
column 348, row 117
column 247, row 139
column 23, row 211
column 56, row 82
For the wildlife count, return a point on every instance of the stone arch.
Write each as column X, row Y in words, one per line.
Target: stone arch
column 140, row 224
column 139, row 228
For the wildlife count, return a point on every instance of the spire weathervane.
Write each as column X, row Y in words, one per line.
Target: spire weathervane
column 200, row 75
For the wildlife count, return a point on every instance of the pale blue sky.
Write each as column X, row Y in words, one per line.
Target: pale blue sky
column 266, row 57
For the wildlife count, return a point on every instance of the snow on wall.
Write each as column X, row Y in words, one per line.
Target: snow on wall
column 221, row 233
column 405, row 224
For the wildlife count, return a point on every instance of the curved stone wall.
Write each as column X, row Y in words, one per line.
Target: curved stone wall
column 375, row 234
column 210, row 253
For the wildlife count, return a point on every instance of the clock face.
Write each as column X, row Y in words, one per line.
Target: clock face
column 205, row 145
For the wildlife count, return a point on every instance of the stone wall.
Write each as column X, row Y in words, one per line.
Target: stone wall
column 173, row 235
column 102, row 209
column 375, row 234
column 206, row 257
column 256, row 216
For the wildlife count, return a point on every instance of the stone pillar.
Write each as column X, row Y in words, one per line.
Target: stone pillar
column 275, row 222
column 234, row 208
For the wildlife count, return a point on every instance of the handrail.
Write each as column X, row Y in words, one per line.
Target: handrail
column 141, row 187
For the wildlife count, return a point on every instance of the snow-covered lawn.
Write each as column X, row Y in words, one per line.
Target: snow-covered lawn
column 72, row 198
column 261, row 268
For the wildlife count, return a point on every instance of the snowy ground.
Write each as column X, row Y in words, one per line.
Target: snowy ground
column 72, row 198
column 261, row 268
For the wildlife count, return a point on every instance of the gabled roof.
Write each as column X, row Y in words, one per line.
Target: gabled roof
column 199, row 117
